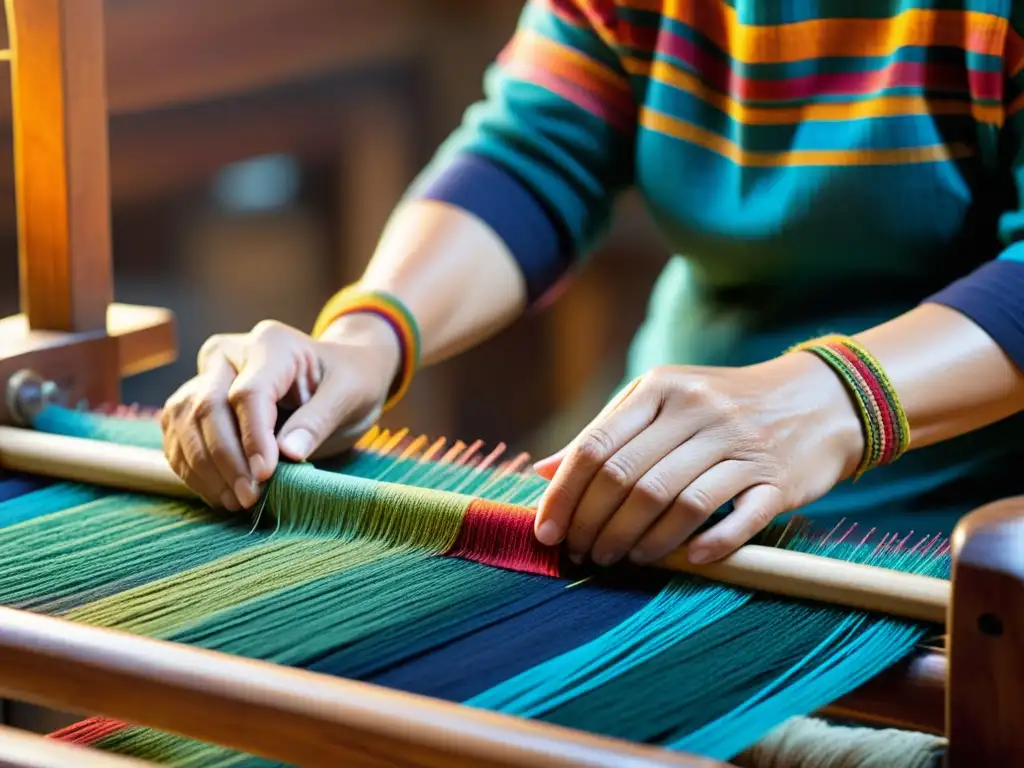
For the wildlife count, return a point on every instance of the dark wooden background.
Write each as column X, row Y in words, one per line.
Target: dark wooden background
column 348, row 99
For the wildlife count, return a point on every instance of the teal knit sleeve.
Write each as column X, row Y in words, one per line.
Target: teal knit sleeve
column 558, row 115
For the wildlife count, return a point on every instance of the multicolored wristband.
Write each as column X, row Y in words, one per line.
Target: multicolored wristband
column 353, row 300
column 886, row 429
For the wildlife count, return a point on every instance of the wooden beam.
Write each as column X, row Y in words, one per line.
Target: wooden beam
column 61, row 165
column 291, row 715
column 911, row 695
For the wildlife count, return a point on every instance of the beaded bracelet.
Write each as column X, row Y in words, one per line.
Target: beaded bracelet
column 352, row 300
column 886, row 429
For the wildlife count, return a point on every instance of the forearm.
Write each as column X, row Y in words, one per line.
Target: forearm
column 950, row 375
column 452, row 271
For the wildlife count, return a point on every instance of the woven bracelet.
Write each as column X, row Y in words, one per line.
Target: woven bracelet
column 350, row 301
column 886, row 429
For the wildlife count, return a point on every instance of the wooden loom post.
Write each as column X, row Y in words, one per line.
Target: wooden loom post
column 985, row 692
column 61, row 165
column 69, row 332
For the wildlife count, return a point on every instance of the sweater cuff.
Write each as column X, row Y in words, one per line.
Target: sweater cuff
column 489, row 192
column 991, row 297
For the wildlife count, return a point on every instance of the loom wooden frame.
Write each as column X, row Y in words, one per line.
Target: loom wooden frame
column 71, row 333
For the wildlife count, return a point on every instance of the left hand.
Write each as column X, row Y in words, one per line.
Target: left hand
column 682, row 441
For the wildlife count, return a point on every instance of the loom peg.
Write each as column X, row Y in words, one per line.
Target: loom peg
column 26, row 394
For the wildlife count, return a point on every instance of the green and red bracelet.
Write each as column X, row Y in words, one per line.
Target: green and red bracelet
column 886, row 429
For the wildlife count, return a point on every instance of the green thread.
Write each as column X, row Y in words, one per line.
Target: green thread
column 307, row 501
column 166, row 605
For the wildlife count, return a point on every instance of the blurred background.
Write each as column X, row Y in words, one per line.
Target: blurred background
column 258, row 146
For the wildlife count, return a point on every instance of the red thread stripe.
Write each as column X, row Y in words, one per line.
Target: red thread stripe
column 88, row 732
column 501, row 535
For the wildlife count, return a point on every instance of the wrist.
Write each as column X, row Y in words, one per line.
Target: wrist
column 373, row 333
column 885, row 425
column 387, row 308
column 808, row 387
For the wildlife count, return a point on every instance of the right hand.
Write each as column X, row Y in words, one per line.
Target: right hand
column 219, row 426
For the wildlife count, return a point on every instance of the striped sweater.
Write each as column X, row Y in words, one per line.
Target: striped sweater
column 777, row 143
column 816, row 164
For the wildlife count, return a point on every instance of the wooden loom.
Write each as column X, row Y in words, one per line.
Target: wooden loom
column 80, row 344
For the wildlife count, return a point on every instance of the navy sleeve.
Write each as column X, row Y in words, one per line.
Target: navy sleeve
column 541, row 247
column 993, row 297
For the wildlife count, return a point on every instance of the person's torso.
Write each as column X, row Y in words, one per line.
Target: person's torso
column 820, row 165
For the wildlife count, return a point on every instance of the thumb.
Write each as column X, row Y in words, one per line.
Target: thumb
column 337, row 410
column 546, row 468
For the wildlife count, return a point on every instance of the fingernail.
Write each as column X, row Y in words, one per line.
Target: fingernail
column 258, row 468
column 298, row 444
column 576, row 558
column 228, row 501
column 604, row 558
column 698, row 556
column 639, row 557
column 247, row 492
column 548, row 533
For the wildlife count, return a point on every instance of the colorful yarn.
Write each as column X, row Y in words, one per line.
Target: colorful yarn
column 307, row 501
column 353, row 300
column 886, row 428
column 681, row 610
column 501, row 535
column 344, row 575
column 87, row 732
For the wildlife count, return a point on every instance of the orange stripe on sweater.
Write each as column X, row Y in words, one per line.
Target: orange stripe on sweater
column 824, row 38
column 680, row 129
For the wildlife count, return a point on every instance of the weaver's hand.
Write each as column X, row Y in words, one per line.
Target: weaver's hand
column 681, row 442
column 219, row 428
